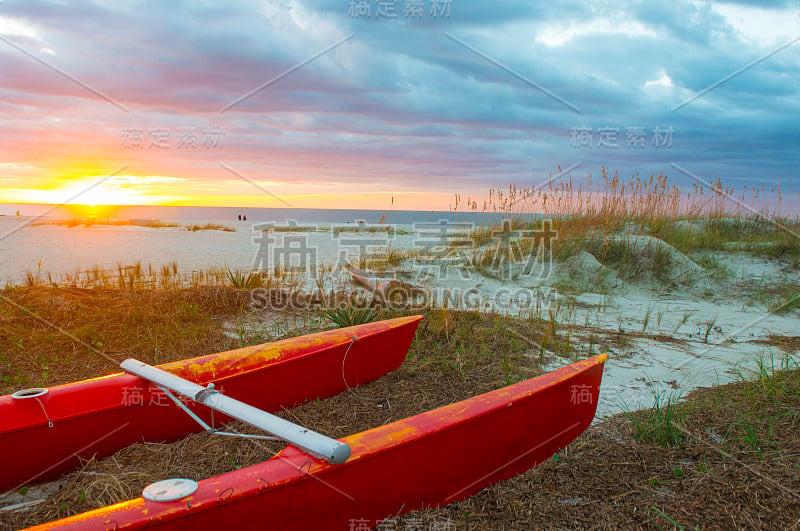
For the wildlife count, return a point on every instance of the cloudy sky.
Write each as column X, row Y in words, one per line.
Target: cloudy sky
column 348, row 104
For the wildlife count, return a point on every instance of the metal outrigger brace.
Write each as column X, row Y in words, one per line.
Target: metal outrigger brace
column 314, row 443
column 210, row 429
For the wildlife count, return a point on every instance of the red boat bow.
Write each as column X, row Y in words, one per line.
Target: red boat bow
column 42, row 437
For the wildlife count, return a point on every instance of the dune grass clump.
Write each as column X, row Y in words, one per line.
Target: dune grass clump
column 209, row 226
column 104, row 222
column 148, row 223
column 785, row 246
column 152, row 224
column 132, row 277
column 618, row 253
column 136, row 276
column 583, row 215
column 777, row 297
column 246, row 280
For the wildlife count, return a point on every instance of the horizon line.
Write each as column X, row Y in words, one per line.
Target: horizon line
column 99, row 206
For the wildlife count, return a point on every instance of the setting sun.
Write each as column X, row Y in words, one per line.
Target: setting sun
column 72, row 188
column 101, row 195
column 90, row 191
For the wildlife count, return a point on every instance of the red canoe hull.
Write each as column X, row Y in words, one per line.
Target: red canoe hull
column 430, row 459
column 103, row 415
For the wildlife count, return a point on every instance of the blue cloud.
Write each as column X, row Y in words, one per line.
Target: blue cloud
column 402, row 93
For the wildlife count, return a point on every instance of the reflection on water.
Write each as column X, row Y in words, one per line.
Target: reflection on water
column 27, row 243
column 60, row 249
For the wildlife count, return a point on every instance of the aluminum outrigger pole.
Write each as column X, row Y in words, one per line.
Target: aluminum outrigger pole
column 308, row 440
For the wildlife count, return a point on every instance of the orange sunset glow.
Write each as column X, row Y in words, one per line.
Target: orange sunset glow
column 90, row 192
column 325, row 108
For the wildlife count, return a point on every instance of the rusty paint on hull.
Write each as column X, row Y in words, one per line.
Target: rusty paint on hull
column 102, row 415
column 430, row 459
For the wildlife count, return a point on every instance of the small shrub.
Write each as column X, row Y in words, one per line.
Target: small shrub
column 657, row 425
column 241, row 280
column 344, row 316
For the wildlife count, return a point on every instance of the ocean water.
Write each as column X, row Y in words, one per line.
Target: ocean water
column 191, row 214
column 28, row 246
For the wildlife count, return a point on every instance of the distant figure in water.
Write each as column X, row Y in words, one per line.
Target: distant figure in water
column 18, row 212
column 244, row 218
column 240, row 217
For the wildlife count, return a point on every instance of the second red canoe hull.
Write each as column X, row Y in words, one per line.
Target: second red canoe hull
column 430, row 459
column 103, row 415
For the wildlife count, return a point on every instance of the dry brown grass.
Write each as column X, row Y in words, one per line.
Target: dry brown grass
column 614, row 199
column 151, row 223
column 209, row 226
column 50, row 336
column 90, row 222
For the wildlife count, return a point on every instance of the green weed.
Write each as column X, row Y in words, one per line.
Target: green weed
column 658, row 424
column 344, row 316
